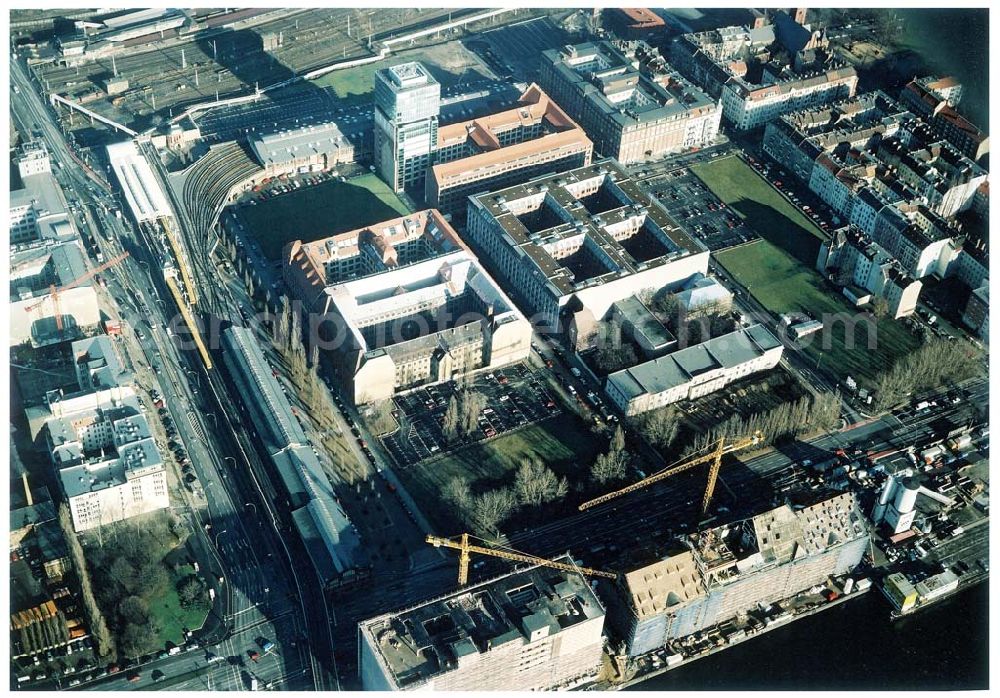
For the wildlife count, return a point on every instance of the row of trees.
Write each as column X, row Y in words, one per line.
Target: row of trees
column 461, row 417
column 43, row 633
column 788, row 419
column 658, row 427
column 104, row 645
column 936, row 363
column 534, row 485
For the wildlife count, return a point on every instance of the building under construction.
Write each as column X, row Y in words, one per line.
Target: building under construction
column 720, row 573
column 534, row 629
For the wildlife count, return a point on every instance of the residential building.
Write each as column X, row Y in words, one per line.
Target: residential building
column 736, row 64
column 628, row 100
column 695, row 371
column 934, row 100
column 530, row 630
column 716, row 574
column 977, row 312
column 498, row 150
column 97, row 363
column 38, row 209
column 331, row 540
column 33, row 159
column 570, row 245
column 942, row 176
column 866, row 270
column 407, row 104
column 305, row 149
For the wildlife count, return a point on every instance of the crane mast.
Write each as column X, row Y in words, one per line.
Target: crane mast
column 54, row 290
column 714, row 457
column 465, row 547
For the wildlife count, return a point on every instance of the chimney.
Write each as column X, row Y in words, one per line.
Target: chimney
column 800, row 15
column 27, row 489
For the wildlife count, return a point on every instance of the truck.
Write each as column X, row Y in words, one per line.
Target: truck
column 960, row 443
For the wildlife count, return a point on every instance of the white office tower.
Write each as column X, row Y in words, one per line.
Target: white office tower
column 407, row 102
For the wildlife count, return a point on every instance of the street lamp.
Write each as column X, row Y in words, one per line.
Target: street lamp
column 254, row 506
column 217, row 537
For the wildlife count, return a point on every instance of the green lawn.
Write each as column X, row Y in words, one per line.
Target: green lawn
column 312, row 213
column 768, row 212
column 352, row 84
column 782, row 284
column 564, row 443
column 172, row 616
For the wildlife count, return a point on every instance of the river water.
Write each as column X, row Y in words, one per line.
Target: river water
column 954, row 42
column 854, row 647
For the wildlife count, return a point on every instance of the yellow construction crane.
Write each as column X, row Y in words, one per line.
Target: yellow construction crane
column 721, row 448
column 464, row 548
column 54, row 290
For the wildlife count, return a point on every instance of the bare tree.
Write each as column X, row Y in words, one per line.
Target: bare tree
column 491, row 509
column 536, row 484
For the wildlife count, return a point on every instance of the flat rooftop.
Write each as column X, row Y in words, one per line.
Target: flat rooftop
column 435, row 637
column 307, row 141
column 586, row 226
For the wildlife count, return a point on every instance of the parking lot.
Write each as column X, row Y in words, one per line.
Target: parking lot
column 697, row 210
column 515, row 396
column 796, row 192
column 516, row 48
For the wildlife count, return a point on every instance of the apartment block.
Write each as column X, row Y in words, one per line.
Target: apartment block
column 695, row 371
column 407, row 105
column 495, row 151
column 530, row 630
column 628, row 100
column 934, row 100
column 712, row 576
column 37, row 209
column 735, row 63
column 866, row 271
column 568, row 246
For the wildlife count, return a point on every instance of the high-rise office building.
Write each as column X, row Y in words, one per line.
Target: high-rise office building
column 407, row 102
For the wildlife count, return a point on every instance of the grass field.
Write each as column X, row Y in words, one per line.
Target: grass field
column 564, row 443
column 769, row 213
column 316, row 212
column 782, row 284
column 172, row 616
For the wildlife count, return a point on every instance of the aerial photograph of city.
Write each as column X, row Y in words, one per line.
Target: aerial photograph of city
column 498, row 349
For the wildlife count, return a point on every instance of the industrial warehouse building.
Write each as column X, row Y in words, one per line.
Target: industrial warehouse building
column 306, row 149
column 409, row 305
column 569, row 245
column 331, row 540
column 729, row 569
column 694, row 371
column 498, row 150
column 629, row 101
column 536, row 629
column 142, row 191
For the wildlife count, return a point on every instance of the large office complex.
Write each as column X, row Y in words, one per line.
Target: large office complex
column 409, row 305
column 531, row 630
column 37, row 209
column 331, row 540
column 694, row 371
column 312, row 267
column 495, row 151
column 630, row 103
column 428, row 322
column 407, row 104
column 717, row 573
column 569, row 245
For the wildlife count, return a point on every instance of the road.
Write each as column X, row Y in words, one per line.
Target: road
column 253, row 598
